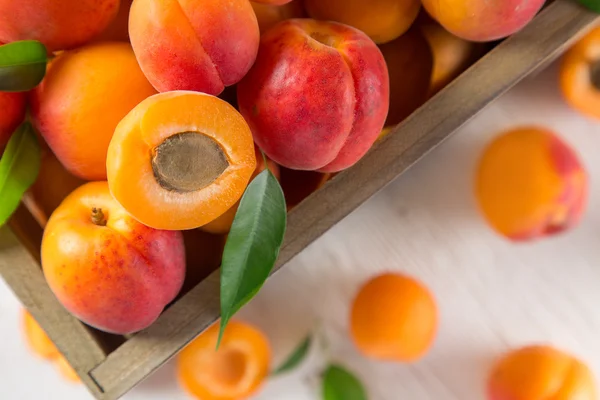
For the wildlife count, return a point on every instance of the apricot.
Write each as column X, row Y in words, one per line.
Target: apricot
column 540, row 373
column 480, row 20
column 42, row 346
column 580, row 75
column 180, row 159
column 118, row 29
column 451, row 55
column 530, row 184
column 317, row 96
column 85, row 93
column 393, row 318
column 60, row 25
column 269, row 14
column 382, row 20
column 107, row 269
column 410, row 63
column 298, row 185
column 235, row 371
column 222, row 224
column 272, row 2
column 53, row 184
column 201, row 45
column 13, row 106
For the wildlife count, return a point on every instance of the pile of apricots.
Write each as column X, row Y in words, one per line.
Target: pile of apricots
column 154, row 116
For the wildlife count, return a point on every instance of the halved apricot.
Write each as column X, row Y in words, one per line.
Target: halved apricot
column 180, row 159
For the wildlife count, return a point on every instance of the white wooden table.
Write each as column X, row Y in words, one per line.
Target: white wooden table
column 492, row 294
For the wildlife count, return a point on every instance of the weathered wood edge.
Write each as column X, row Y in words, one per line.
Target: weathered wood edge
column 542, row 40
column 20, row 268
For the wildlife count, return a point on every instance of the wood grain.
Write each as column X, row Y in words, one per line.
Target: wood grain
column 540, row 42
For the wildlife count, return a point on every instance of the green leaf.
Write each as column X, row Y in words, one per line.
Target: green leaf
column 19, row 168
column 593, row 5
column 253, row 244
column 22, row 65
column 339, row 384
column 297, row 356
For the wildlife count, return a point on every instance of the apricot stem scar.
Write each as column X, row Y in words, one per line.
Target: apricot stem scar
column 98, row 217
column 188, row 161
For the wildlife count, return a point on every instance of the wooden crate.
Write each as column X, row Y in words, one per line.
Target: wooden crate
column 111, row 365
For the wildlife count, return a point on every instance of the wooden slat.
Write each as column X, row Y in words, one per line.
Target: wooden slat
column 21, row 271
column 503, row 67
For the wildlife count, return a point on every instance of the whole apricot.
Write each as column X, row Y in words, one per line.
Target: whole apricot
column 382, row 20
column 180, row 159
column 222, row 224
column 580, row 75
column 451, row 55
column 60, row 25
column 13, row 106
column 200, row 45
column 269, row 14
column 540, row 373
column 107, row 269
column 85, row 93
column 530, row 184
column 317, row 96
column 480, row 20
column 118, row 29
column 235, row 371
column 410, row 64
column 394, row 318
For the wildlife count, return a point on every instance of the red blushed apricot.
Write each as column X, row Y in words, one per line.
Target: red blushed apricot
column 106, row 268
column 481, row 20
column 451, row 55
column 269, row 14
column 60, row 25
column 222, row 225
column 531, row 184
column 180, row 159
column 580, row 75
column 85, row 93
column 382, row 20
column 540, row 373
column 410, row 63
column 317, row 96
column 201, row 45
column 13, row 106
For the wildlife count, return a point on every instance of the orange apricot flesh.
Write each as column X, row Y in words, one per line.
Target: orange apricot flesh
column 531, row 184
column 180, row 159
column 235, row 371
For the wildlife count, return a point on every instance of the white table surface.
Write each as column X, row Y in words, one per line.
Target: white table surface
column 492, row 294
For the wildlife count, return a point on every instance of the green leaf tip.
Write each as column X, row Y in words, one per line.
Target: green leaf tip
column 593, row 5
column 340, row 384
column 296, row 357
column 22, row 65
column 253, row 244
column 19, row 168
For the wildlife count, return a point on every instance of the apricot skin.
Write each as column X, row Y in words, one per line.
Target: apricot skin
column 190, row 44
column 540, row 373
column 60, row 25
column 531, row 184
column 13, row 106
column 480, row 20
column 84, row 95
column 118, row 277
column 315, row 106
